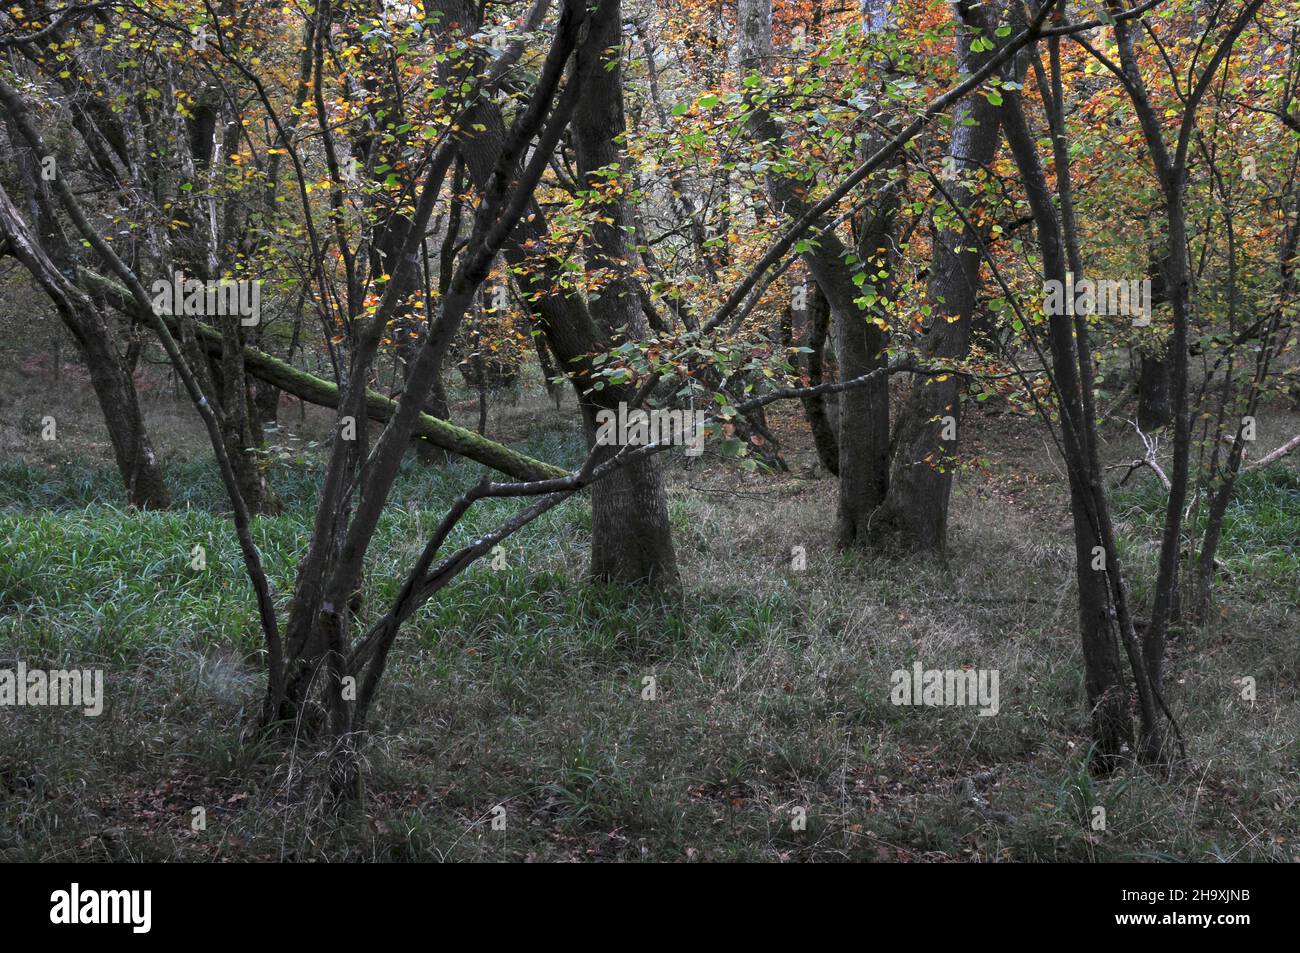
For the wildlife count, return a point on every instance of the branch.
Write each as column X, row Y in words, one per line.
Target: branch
column 1276, row 455
column 67, row 17
column 323, row 393
column 881, row 156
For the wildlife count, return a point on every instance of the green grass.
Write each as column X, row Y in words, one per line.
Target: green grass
column 1260, row 545
column 1260, row 524
column 116, row 583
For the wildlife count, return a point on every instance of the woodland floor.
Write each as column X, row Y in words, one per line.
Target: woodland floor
column 523, row 687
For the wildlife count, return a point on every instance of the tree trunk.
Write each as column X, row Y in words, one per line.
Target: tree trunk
column 571, row 329
column 816, row 407
column 1107, row 693
column 864, row 411
column 113, row 385
column 1154, row 411
column 915, row 512
column 859, row 339
column 266, row 401
column 631, row 535
column 241, row 425
column 1270, row 345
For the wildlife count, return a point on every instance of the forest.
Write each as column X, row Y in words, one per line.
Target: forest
column 650, row 430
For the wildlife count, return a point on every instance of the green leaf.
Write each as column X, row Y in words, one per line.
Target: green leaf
column 733, row 447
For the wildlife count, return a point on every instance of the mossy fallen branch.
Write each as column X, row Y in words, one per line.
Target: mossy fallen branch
column 315, row 390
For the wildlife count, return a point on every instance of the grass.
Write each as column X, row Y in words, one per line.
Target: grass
column 1260, row 545
column 520, row 693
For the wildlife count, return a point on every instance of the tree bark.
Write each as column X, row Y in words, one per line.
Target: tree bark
column 631, row 535
column 818, row 320
column 915, row 512
column 1153, row 392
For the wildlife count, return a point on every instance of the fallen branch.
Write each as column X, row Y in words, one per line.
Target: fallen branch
column 1276, row 455
column 1137, row 465
column 323, row 393
column 1152, row 445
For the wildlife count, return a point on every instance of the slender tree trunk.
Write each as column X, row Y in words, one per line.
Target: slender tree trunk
column 1107, row 693
column 1171, row 169
column 241, row 425
column 1206, row 563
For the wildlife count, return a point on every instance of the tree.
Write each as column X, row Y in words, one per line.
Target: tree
column 50, row 260
column 860, row 335
column 914, row 514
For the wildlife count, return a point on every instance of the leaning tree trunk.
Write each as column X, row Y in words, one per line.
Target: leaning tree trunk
column 115, row 390
column 113, row 385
